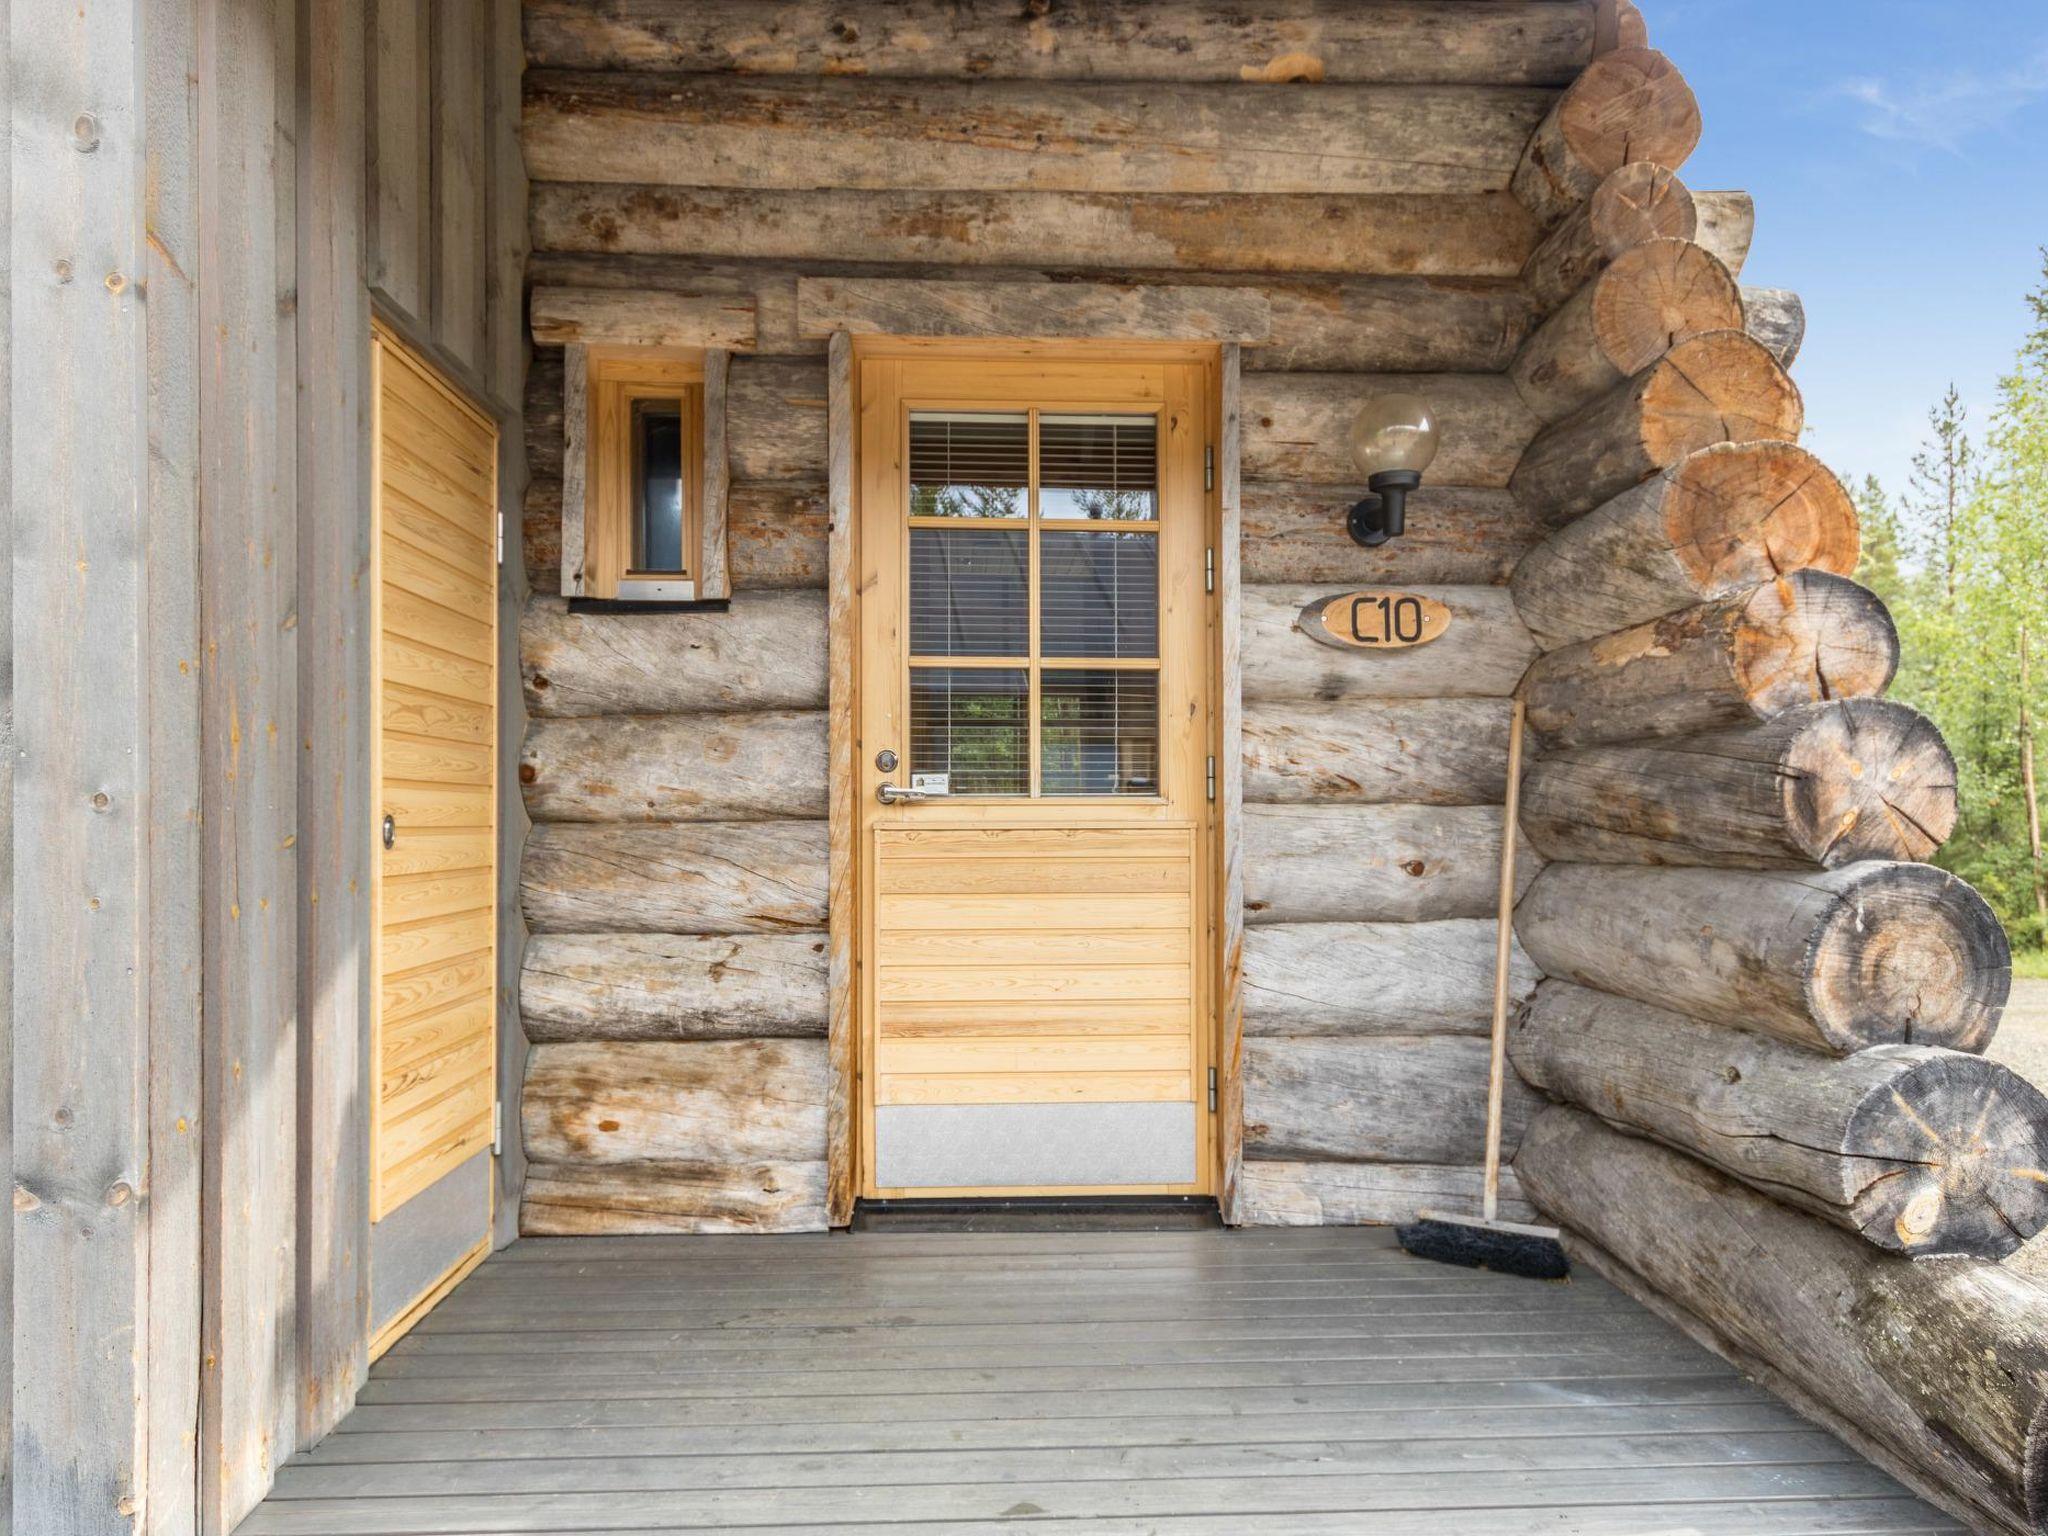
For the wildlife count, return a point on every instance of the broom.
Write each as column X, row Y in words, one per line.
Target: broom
column 1485, row 1241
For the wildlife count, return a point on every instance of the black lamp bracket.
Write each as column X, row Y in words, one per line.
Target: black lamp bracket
column 1383, row 515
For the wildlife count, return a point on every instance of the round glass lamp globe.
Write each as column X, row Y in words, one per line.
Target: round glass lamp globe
column 1393, row 432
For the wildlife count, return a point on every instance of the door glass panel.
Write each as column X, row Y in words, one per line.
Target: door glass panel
column 1099, row 732
column 1101, row 468
column 1098, row 593
column 971, row 723
column 968, row 589
column 969, row 463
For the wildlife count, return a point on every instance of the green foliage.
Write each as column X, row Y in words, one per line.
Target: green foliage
column 1962, row 562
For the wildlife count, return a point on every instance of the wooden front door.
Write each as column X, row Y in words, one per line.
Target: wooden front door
column 434, row 884
column 1034, row 696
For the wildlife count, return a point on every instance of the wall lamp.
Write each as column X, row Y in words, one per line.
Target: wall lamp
column 1393, row 440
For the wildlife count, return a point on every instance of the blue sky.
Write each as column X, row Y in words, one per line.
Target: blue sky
column 1898, row 150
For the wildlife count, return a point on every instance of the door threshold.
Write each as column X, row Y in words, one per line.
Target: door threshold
column 1041, row 1213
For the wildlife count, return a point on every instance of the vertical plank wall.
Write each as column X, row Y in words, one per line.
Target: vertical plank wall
column 675, row 986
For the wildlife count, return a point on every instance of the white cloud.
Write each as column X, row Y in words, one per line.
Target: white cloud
column 1942, row 110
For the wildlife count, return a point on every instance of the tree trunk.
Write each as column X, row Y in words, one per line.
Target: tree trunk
column 1718, row 387
column 702, row 877
column 1727, row 224
column 1374, row 978
column 1942, row 1364
column 1777, row 318
column 1275, row 1194
column 1397, row 1099
column 724, row 1101
column 1915, row 1149
column 1630, row 104
column 770, row 132
column 2040, row 873
column 1716, row 523
column 1297, row 425
column 1833, row 960
column 1372, row 863
column 1457, row 535
column 1483, row 653
column 1529, row 42
column 1638, row 203
column 1376, row 751
column 1822, row 784
column 1644, row 302
column 756, row 766
column 575, row 1200
column 670, row 986
column 1803, row 639
column 766, row 652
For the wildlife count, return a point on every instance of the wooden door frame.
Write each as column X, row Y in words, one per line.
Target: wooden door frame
column 843, row 617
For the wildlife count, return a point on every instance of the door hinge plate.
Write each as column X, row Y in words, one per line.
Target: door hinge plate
column 501, row 536
column 1208, row 466
column 1212, row 1090
column 1209, row 570
column 1212, row 778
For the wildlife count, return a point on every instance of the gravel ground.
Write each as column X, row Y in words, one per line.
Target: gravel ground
column 2022, row 1044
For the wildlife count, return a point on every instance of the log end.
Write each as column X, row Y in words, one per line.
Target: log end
column 1717, row 387
column 1740, row 513
column 1908, row 954
column 1868, row 779
column 1658, row 294
column 1957, row 1157
column 1631, row 104
column 1640, row 202
column 1810, row 637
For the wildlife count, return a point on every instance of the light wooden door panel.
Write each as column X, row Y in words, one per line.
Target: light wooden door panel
column 434, row 880
column 1035, row 942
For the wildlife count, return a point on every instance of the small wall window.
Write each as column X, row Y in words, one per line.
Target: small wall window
column 643, row 476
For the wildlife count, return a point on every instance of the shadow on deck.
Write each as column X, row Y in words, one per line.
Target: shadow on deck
column 1218, row 1382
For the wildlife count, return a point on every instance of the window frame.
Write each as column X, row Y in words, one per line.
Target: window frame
column 617, row 380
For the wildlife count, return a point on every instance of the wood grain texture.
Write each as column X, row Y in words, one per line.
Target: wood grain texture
column 1821, row 784
column 1299, row 1194
column 706, row 877
column 1482, row 654
column 1719, row 521
column 764, row 653
column 401, row 150
column 1629, row 104
column 1915, row 1149
column 842, row 816
column 768, row 132
column 640, row 317
column 881, row 306
column 761, row 766
column 460, row 229
column 1374, row 978
column 1231, row 734
column 1727, row 225
column 1356, row 1101
column 578, row 1200
column 714, row 511
column 1401, row 43
column 672, row 986
column 1777, row 318
column 1834, row 960
column 1417, row 752
column 1457, row 536
column 1373, row 863
column 1486, row 235
column 1640, row 201
column 1944, row 1364
column 1297, row 425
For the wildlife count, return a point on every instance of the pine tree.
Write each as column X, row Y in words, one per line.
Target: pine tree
column 1943, row 481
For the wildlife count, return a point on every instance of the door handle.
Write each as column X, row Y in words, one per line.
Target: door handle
column 889, row 794
column 390, row 830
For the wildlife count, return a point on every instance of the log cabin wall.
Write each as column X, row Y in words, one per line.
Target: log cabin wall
column 675, row 986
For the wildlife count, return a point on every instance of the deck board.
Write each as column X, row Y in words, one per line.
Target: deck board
column 1186, row 1384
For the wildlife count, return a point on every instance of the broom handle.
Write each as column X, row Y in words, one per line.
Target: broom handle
column 1496, row 1071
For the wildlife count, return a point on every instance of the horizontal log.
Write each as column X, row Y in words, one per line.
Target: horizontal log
column 761, row 765
column 1831, row 960
column 1485, row 235
column 1457, row 536
column 1940, row 1365
column 672, row 986
column 775, row 533
column 1802, row 639
column 1717, row 387
column 573, row 1200
column 1356, row 979
column 780, row 133
column 641, row 317
column 1376, row 751
column 1629, row 104
column 1626, row 316
column 1271, row 1194
column 1727, row 225
column 1639, row 202
column 1398, row 1099
column 1914, row 1149
column 703, row 877
column 1716, row 523
column 1373, row 863
column 886, row 306
column 766, row 652
column 1483, row 653
column 1777, row 318
column 723, row 1101
column 1297, row 425
column 1822, row 784
column 1405, row 42
column 775, row 418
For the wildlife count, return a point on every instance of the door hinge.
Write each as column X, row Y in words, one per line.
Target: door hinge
column 1208, row 466
column 1209, row 570
column 1212, row 778
column 501, row 536
column 1212, row 1090
column 498, row 1128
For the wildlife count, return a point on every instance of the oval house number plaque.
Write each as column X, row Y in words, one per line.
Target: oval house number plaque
column 1375, row 621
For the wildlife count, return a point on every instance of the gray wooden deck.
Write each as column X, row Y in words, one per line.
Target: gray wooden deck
column 1215, row 1382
